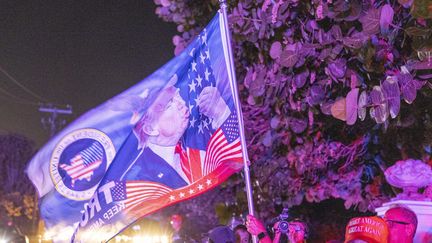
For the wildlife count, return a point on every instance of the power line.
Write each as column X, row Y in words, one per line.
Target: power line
column 16, row 99
column 22, row 100
column 21, row 86
column 53, row 122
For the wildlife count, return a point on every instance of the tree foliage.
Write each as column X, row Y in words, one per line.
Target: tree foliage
column 333, row 92
column 17, row 203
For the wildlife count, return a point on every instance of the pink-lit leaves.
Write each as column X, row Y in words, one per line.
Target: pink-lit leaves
column 337, row 68
column 391, row 91
column 356, row 40
column 298, row 125
column 276, row 50
column 338, row 109
column 351, row 106
column 362, row 103
column 379, row 109
column 371, row 21
column 289, row 57
column 408, row 86
column 386, row 18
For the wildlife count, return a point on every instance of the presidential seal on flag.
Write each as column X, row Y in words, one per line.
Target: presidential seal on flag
column 79, row 162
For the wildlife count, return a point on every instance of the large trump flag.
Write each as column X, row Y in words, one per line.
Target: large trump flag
column 169, row 138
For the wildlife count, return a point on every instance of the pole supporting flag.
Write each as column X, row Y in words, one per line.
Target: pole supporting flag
column 233, row 81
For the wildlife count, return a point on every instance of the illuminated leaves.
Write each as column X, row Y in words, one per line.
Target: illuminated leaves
column 338, row 109
column 406, row 3
column 384, row 100
column 408, row 86
column 351, row 106
column 337, row 68
column 422, row 9
column 305, row 65
column 371, row 21
column 379, row 109
column 386, row 18
column 289, row 57
column 12, row 210
column 362, row 103
column 391, row 92
column 275, row 50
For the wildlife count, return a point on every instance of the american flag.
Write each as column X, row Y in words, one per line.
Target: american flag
column 132, row 193
column 224, row 145
column 83, row 164
column 199, row 75
column 220, row 145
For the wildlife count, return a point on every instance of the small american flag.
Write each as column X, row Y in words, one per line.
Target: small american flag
column 132, row 193
column 224, row 145
column 83, row 164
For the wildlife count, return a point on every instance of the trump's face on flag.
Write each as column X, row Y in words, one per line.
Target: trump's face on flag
column 165, row 121
column 172, row 121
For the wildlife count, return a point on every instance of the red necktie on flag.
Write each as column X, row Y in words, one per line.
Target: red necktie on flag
column 185, row 165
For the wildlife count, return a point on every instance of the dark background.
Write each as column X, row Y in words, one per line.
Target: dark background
column 79, row 53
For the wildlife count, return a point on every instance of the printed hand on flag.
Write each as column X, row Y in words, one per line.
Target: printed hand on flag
column 212, row 105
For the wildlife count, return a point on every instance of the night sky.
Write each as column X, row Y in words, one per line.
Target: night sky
column 73, row 52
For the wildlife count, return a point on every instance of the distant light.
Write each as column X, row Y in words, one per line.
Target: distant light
column 151, row 238
column 3, row 241
column 64, row 234
column 122, row 238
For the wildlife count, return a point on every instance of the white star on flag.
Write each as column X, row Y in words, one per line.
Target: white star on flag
column 205, row 124
column 202, row 57
column 192, row 122
column 192, row 86
column 194, row 64
column 199, row 80
column 204, row 37
column 207, row 74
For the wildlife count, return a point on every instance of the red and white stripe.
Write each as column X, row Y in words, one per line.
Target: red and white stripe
column 140, row 191
column 219, row 150
column 77, row 170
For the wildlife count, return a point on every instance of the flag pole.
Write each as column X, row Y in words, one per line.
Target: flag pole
column 233, row 80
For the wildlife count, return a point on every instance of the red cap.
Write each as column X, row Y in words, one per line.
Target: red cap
column 370, row 229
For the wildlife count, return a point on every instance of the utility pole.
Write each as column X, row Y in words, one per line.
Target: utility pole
column 53, row 121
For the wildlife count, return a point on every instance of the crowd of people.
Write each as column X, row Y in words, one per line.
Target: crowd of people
column 398, row 225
